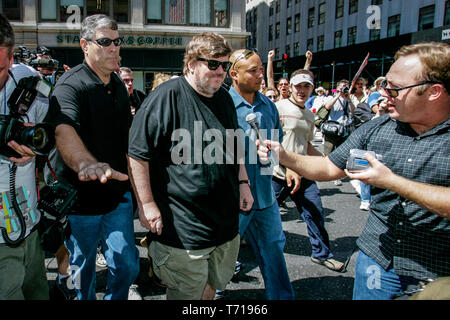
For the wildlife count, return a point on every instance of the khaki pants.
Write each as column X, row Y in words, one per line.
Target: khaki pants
column 186, row 272
column 22, row 271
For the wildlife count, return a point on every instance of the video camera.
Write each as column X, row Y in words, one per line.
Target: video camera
column 24, row 55
column 39, row 138
column 357, row 160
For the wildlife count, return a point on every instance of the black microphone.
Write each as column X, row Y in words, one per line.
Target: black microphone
column 252, row 120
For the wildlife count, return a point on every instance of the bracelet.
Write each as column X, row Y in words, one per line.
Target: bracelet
column 244, row 182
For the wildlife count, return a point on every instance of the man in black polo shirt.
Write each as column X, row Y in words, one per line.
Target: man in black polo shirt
column 189, row 191
column 92, row 141
column 407, row 235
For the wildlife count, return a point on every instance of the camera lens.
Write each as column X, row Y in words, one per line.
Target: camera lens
column 39, row 138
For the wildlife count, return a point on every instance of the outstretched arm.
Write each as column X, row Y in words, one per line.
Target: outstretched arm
column 270, row 78
column 79, row 159
column 430, row 197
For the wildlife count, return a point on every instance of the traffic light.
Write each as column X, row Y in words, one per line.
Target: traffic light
column 285, row 58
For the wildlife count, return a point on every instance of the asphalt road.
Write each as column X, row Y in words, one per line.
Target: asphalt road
column 343, row 221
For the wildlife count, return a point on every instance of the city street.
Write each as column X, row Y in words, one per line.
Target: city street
column 344, row 222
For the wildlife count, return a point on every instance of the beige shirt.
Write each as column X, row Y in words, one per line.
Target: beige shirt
column 298, row 130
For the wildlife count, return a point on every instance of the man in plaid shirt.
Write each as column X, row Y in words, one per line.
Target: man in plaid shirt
column 407, row 235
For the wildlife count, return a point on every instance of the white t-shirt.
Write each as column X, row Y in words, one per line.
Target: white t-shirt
column 25, row 174
column 298, row 130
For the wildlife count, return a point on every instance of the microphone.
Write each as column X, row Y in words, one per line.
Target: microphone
column 252, row 120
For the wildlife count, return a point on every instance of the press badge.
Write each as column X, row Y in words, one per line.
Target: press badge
column 7, row 213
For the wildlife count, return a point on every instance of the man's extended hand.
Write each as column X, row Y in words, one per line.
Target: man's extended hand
column 99, row 171
column 25, row 152
column 265, row 147
column 150, row 217
column 376, row 175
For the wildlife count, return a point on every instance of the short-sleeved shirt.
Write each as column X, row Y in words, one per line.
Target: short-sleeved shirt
column 100, row 114
column 399, row 232
column 269, row 124
column 178, row 132
column 25, row 174
column 298, row 130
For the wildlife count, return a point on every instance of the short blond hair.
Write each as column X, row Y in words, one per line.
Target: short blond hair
column 159, row 79
column 207, row 44
column 435, row 58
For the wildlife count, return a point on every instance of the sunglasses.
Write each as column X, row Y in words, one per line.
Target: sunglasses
column 214, row 64
column 236, row 58
column 272, row 97
column 393, row 92
column 106, row 42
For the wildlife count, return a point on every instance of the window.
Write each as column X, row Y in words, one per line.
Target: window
column 271, row 32
column 277, row 30
column 426, row 18
column 351, row 36
column 338, row 39
column 296, row 49
column 310, row 44
column 188, row 12
column 393, row 26
column 12, row 9
column 322, row 13
column 289, row 3
column 277, row 6
column 320, row 42
column 288, row 50
column 297, row 1
column 271, row 9
column 377, row 2
column 154, row 11
column 297, row 22
column 374, row 34
column 353, row 6
column 57, row 10
column 339, row 8
column 311, row 17
column 289, row 26
column 447, row 13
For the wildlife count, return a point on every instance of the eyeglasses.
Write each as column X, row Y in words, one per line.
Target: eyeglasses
column 106, row 42
column 272, row 97
column 245, row 54
column 393, row 92
column 283, row 84
column 214, row 64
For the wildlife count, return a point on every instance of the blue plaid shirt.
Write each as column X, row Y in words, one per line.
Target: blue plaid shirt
column 269, row 120
column 398, row 232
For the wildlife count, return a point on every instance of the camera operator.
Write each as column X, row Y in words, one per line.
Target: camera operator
column 407, row 233
column 22, row 268
column 340, row 109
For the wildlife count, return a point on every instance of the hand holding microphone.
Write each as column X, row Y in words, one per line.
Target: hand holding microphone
column 252, row 120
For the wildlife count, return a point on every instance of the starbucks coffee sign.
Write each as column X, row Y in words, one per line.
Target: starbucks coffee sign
column 129, row 41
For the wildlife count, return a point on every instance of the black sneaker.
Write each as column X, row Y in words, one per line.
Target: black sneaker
column 62, row 291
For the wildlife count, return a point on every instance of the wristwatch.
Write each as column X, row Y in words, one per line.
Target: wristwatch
column 244, row 182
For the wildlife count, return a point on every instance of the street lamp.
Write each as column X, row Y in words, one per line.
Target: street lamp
column 332, row 76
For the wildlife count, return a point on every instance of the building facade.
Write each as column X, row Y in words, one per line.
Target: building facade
column 155, row 32
column 340, row 33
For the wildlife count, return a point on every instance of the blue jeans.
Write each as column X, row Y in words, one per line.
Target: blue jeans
column 115, row 231
column 365, row 192
column 309, row 205
column 264, row 232
column 372, row 282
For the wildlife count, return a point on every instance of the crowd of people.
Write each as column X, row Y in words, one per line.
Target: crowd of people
column 124, row 151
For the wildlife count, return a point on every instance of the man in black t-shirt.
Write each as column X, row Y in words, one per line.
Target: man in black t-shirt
column 92, row 141
column 188, row 183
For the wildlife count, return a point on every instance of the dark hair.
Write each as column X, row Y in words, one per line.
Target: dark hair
column 7, row 38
